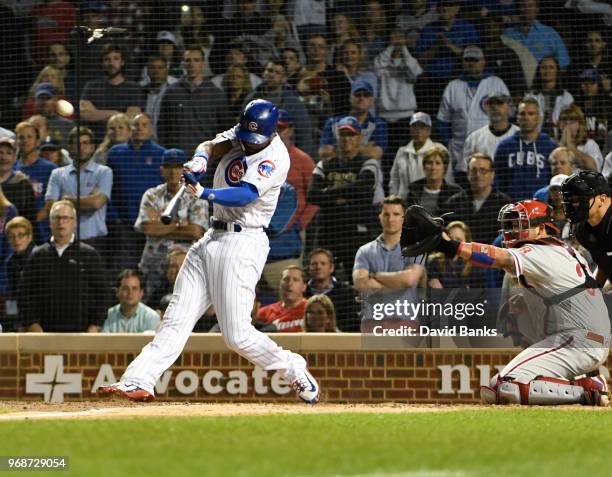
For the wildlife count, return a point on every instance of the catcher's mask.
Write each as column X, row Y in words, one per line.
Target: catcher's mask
column 516, row 220
column 578, row 190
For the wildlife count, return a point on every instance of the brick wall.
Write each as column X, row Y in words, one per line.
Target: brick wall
column 69, row 367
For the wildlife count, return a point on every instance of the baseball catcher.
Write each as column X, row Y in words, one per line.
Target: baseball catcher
column 561, row 368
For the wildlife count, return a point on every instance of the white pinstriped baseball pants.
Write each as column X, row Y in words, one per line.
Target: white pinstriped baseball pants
column 221, row 269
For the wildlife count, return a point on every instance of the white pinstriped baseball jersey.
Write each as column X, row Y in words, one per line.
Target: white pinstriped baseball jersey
column 483, row 141
column 267, row 170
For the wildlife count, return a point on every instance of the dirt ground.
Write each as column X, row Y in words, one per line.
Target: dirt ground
column 115, row 409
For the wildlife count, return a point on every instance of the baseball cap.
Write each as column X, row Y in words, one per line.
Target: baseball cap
column 165, row 35
column 349, row 123
column 362, row 85
column 50, row 144
column 473, row 51
column 590, row 74
column 284, row 118
column 500, row 97
column 45, row 89
column 420, row 117
column 7, row 141
column 557, row 180
column 174, row 156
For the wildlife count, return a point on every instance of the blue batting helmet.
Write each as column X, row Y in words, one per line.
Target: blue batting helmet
column 258, row 122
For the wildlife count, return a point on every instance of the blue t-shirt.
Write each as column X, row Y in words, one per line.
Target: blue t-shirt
column 461, row 34
column 39, row 174
column 134, row 171
column 522, row 168
column 542, row 41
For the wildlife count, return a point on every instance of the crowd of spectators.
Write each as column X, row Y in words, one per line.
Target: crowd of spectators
column 457, row 106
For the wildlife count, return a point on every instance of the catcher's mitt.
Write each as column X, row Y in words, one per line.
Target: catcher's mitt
column 422, row 232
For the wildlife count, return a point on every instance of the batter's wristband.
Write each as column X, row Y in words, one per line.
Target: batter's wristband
column 448, row 247
column 202, row 154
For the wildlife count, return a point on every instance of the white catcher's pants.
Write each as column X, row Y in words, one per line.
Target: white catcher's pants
column 221, row 269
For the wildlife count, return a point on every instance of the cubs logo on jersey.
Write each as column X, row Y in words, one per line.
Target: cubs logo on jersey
column 234, row 171
column 266, row 169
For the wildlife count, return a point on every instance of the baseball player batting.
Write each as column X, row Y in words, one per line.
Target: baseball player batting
column 576, row 327
column 223, row 267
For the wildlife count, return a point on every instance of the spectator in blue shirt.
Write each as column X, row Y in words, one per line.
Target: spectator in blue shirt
column 38, row 171
column 373, row 128
column 540, row 39
column 136, row 168
column 96, row 185
column 521, row 161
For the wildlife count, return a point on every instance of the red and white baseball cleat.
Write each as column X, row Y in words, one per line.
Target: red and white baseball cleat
column 595, row 390
column 306, row 387
column 125, row 391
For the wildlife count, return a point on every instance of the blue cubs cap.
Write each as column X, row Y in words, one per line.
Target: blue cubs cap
column 590, row 74
column 349, row 123
column 362, row 85
column 45, row 89
column 257, row 122
column 174, row 156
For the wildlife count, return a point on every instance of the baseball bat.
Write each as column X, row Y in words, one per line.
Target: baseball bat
column 171, row 210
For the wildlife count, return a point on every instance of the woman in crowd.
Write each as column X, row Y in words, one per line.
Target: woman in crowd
column 236, row 85
column 19, row 233
column 117, row 132
column 552, row 96
column 320, row 315
column 572, row 133
column 344, row 30
column 433, row 191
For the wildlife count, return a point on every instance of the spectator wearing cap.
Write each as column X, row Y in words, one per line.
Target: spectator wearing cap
column 96, row 185
column 541, row 40
column 348, row 188
column 168, row 48
column 52, row 152
column 15, row 184
column 300, row 171
column 439, row 49
column 274, row 89
column 7, row 133
column 46, row 105
column 38, row 171
column 373, row 128
column 190, row 109
column 102, row 98
column 463, row 106
column 408, row 163
column 397, row 72
column 188, row 226
column 593, row 53
column 555, row 185
column 573, row 135
column 479, row 203
column 596, row 106
column 485, row 139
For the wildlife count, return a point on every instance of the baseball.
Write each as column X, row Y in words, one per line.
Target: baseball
column 64, row 108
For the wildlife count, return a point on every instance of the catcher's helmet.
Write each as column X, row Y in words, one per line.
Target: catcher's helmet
column 578, row 189
column 258, row 122
column 517, row 219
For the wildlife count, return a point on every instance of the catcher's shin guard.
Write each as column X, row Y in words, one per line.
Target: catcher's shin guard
column 545, row 391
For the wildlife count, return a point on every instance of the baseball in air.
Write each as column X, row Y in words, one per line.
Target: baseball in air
column 64, row 108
